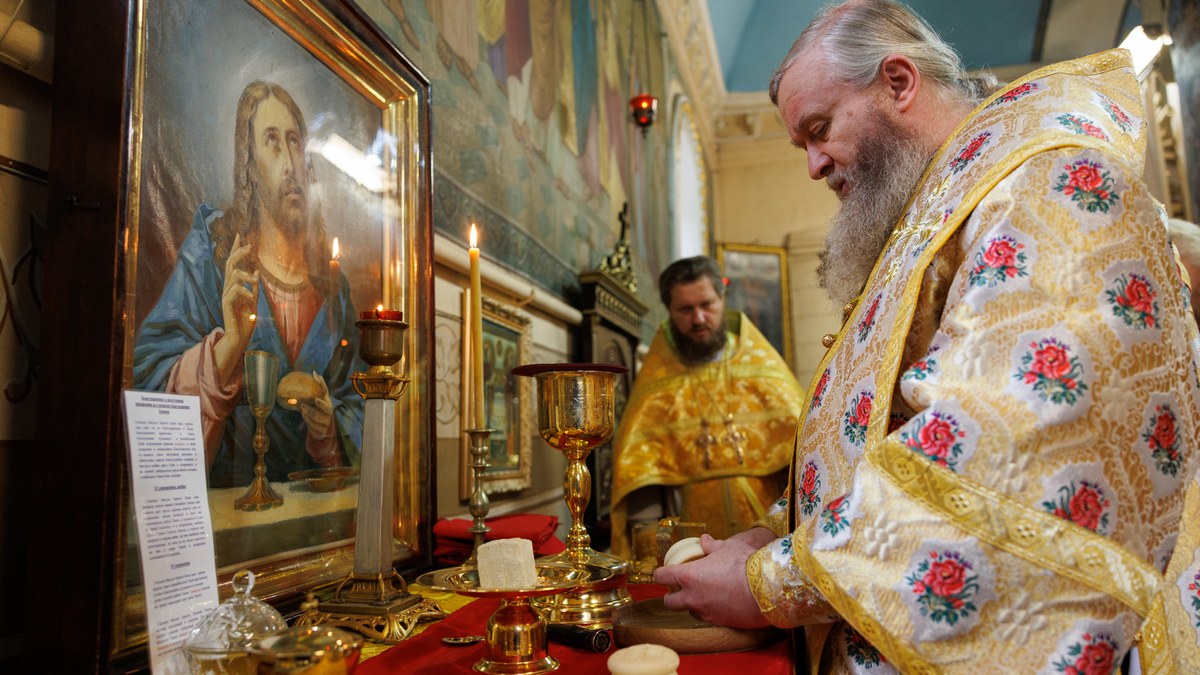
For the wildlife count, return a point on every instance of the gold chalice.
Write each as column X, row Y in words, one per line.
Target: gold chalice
column 262, row 377
column 576, row 414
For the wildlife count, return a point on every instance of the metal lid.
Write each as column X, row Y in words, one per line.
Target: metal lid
column 236, row 623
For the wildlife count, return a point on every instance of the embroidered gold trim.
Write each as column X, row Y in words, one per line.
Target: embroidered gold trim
column 1040, row 538
column 898, row 652
column 1168, row 646
column 758, row 581
column 1152, row 642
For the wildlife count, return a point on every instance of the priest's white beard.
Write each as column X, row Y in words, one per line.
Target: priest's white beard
column 890, row 163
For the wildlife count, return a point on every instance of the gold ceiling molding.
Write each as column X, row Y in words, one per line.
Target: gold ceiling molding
column 689, row 33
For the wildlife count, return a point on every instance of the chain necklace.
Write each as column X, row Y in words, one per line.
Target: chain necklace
column 732, row 436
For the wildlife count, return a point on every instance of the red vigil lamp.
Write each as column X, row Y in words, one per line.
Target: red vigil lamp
column 379, row 313
column 381, row 339
column 643, row 108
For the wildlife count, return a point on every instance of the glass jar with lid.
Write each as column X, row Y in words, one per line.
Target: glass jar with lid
column 220, row 643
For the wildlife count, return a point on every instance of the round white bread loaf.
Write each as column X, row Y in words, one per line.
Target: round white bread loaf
column 297, row 388
column 684, row 550
column 643, row 659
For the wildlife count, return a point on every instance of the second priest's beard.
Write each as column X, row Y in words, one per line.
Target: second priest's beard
column 692, row 350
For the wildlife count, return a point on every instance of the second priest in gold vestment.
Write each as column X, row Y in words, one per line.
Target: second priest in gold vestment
column 717, row 427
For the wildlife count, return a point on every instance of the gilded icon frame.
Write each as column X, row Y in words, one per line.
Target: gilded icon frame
column 386, row 260
column 508, row 401
column 758, row 286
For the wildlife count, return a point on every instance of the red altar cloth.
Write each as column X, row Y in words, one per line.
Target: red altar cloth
column 455, row 543
column 425, row 654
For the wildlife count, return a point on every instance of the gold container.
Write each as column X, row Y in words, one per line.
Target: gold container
column 576, row 414
column 651, row 541
column 205, row 662
column 516, row 633
column 310, row 650
column 381, row 342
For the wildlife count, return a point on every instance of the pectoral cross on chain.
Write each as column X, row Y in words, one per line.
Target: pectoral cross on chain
column 734, row 437
column 706, row 441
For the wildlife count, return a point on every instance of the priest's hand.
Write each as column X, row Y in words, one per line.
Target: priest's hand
column 756, row 537
column 715, row 587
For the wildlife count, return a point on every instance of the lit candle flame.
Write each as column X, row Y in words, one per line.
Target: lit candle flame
column 336, row 250
column 474, row 237
column 378, row 308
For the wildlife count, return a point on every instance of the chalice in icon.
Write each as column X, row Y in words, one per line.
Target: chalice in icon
column 262, row 377
column 576, row 413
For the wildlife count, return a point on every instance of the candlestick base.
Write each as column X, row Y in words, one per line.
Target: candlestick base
column 480, row 504
column 379, row 384
column 373, row 607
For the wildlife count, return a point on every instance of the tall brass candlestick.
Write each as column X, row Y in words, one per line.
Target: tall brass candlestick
column 576, row 414
column 374, row 600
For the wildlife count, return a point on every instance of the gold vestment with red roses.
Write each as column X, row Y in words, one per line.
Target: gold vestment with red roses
column 992, row 468
column 673, row 404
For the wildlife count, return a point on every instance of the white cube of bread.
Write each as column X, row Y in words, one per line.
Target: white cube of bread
column 644, row 659
column 507, row 563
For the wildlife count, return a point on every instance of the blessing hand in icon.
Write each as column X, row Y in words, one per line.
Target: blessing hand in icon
column 239, row 298
column 318, row 411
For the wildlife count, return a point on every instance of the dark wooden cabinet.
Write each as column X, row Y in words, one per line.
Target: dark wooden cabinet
column 610, row 333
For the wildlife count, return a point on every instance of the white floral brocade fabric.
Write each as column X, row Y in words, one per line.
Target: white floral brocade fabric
column 996, row 450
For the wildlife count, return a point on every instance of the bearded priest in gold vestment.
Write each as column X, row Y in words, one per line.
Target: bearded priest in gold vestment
column 712, row 415
column 996, row 470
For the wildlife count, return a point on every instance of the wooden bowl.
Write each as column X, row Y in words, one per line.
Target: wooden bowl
column 649, row 621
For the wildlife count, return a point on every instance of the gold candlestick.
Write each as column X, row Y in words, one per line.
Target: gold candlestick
column 262, row 378
column 479, row 505
column 516, row 634
column 374, row 599
column 576, row 414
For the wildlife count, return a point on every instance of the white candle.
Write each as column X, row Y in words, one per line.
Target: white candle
column 335, row 267
column 335, row 273
column 476, row 329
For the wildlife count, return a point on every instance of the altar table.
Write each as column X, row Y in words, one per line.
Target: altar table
column 426, row 654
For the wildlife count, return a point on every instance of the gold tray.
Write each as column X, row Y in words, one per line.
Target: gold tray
column 553, row 577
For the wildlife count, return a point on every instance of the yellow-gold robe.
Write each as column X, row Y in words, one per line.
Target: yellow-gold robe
column 672, row 402
column 992, row 468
